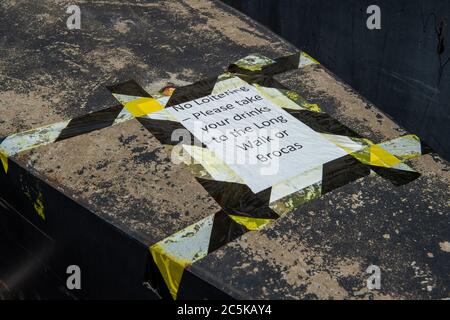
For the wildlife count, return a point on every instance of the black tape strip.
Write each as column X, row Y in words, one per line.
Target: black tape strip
column 262, row 80
column 90, row 122
column 322, row 122
column 395, row 176
column 283, row 64
column 130, row 88
column 339, row 172
column 271, row 83
column 191, row 92
column 425, row 149
column 162, row 130
column 233, row 68
column 238, row 199
column 224, row 230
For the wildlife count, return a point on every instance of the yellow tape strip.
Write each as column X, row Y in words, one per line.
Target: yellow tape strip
column 38, row 204
column 39, row 207
column 382, row 158
column 251, row 224
column 4, row 159
column 142, row 106
column 171, row 268
column 173, row 254
column 376, row 156
column 304, row 54
column 404, row 147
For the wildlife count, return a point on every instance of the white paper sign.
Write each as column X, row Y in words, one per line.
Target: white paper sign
column 258, row 140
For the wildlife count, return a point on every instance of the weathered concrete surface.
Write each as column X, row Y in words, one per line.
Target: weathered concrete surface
column 49, row 73
column 125, row 175
column 131, row 196
column 322, row 250
column 318, row 85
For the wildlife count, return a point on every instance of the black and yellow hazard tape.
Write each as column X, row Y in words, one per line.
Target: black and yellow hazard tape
column 238, row 199
column 258, row 64
column 135, row 106
column 253, row 211
column 173, row 254
column 59, row 131
column 135, row 103
column 129, row 88
column 3, row 156
column 191, row 92
column 242, row 210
